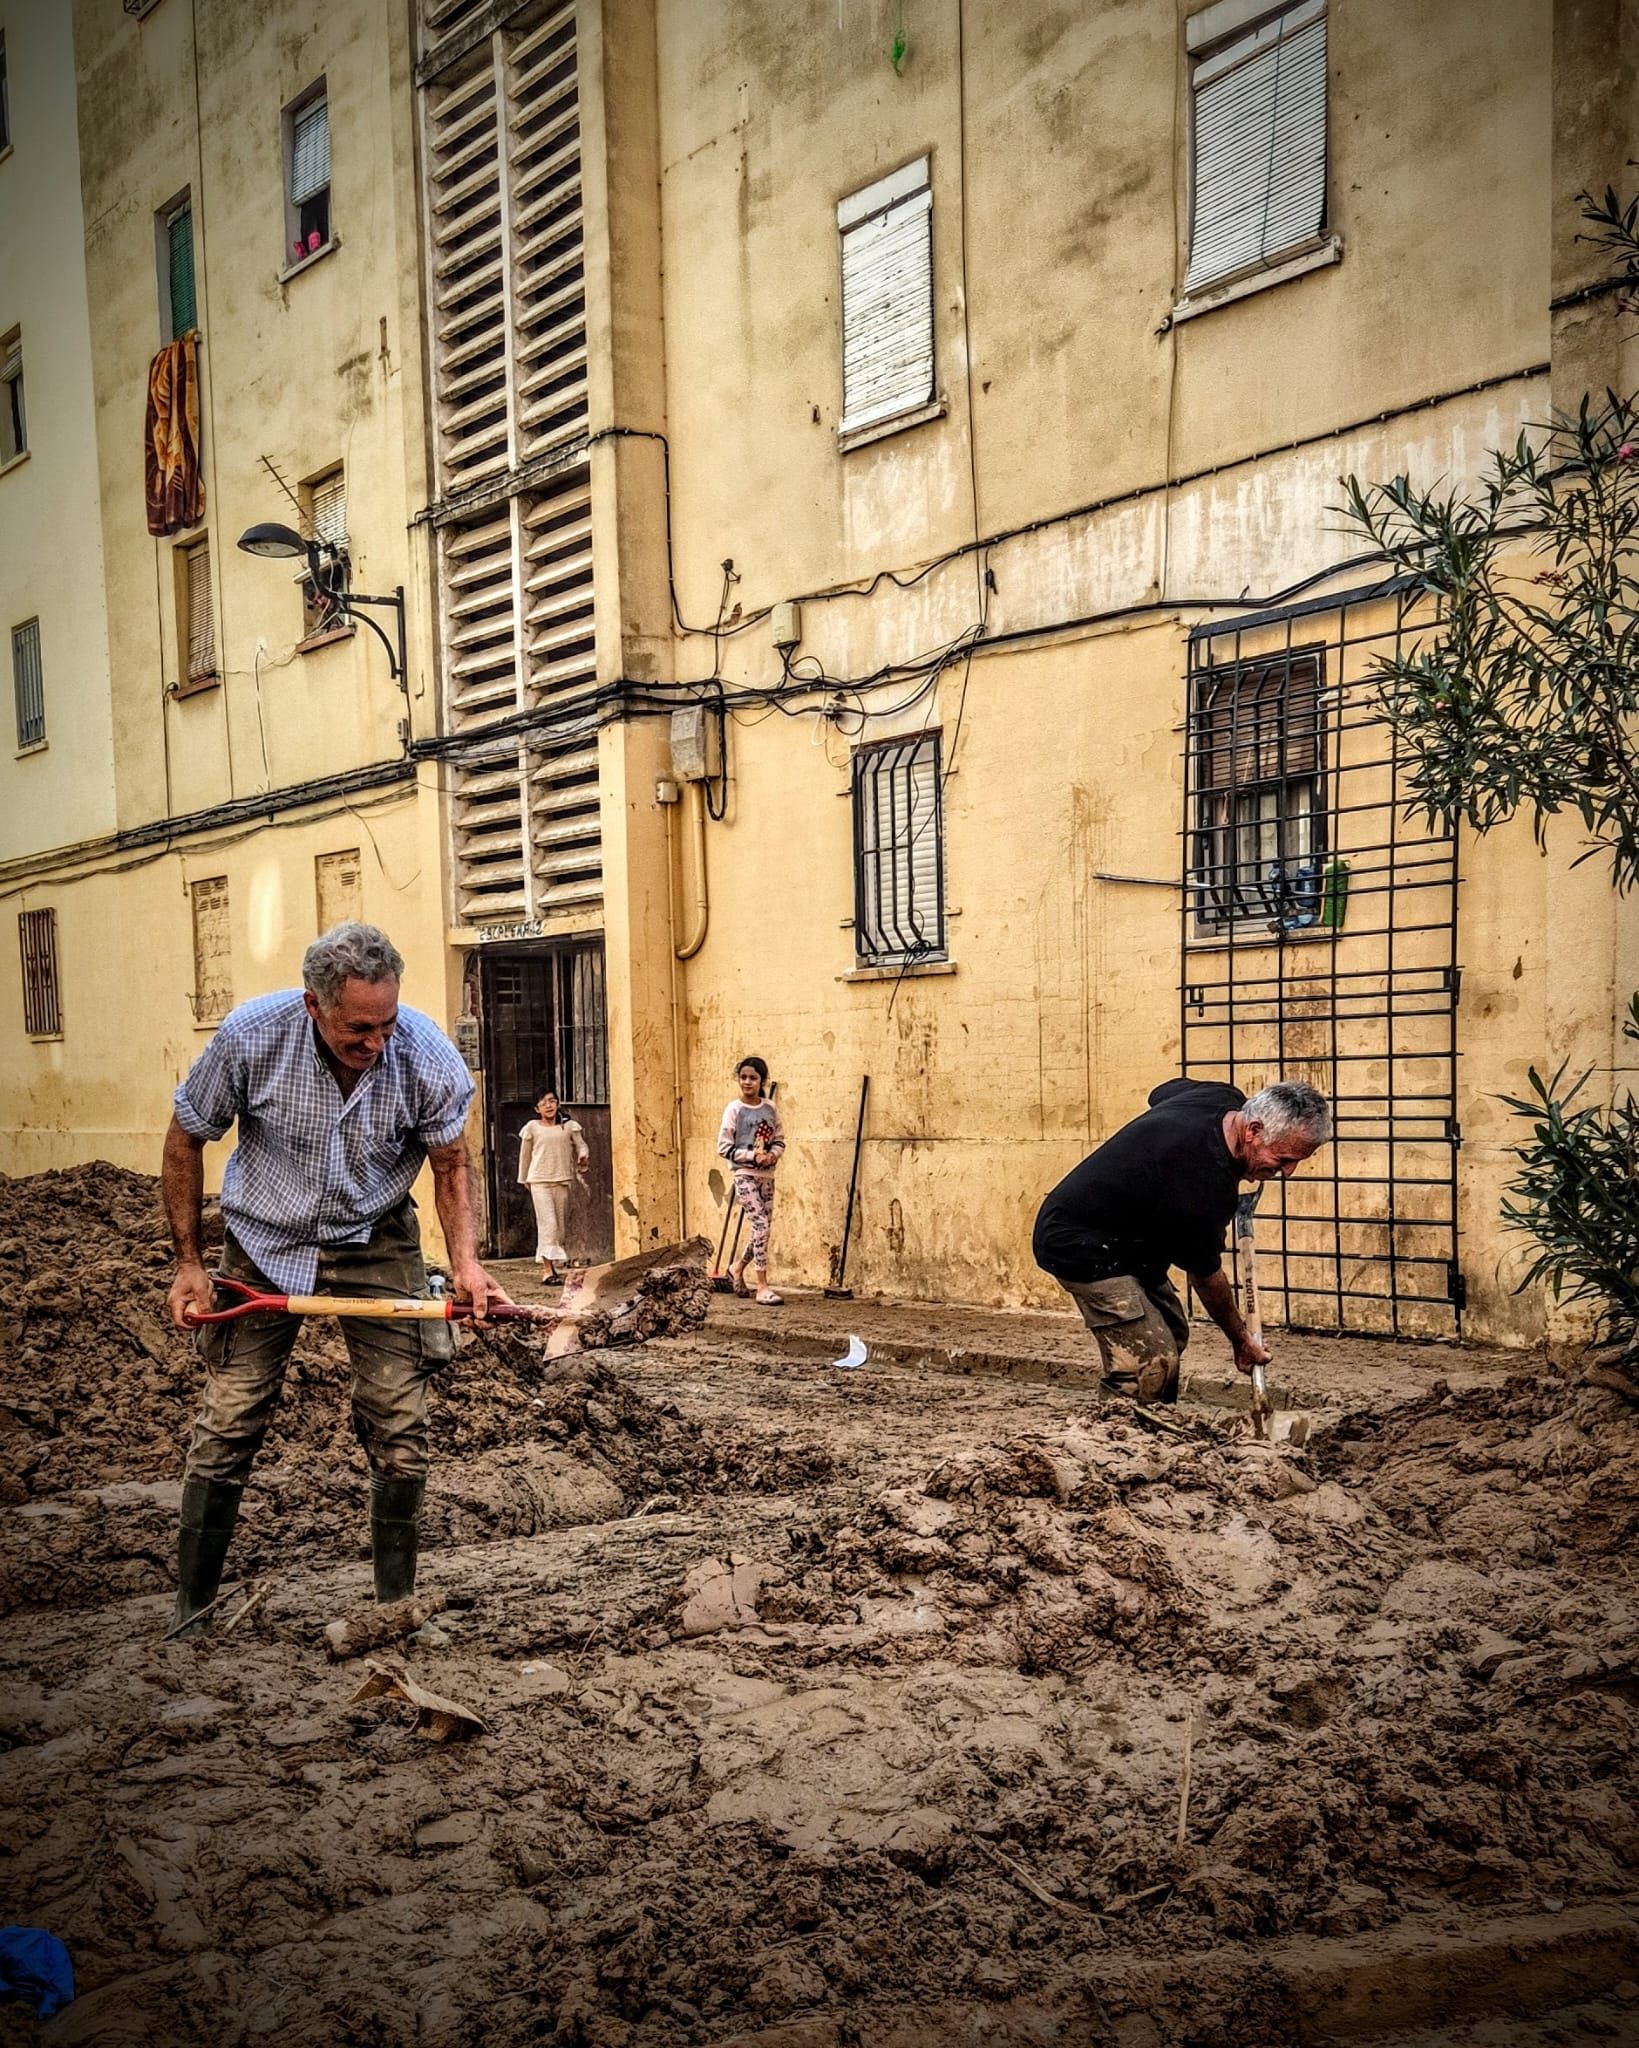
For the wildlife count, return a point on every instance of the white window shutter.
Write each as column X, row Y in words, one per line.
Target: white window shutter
column 887, row 299
column 1260, row 147
column 309, row 151
column 329, row 518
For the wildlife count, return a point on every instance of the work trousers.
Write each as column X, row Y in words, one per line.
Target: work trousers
column 1141, row 1330
column 551, row 1199
column 245, row 1360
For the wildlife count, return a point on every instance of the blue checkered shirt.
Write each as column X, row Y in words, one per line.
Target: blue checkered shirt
column 312, row 1167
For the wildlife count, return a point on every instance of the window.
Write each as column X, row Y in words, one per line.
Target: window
column 1258, row 738
column 887, row 299
column 178, row 302
column 899, row 853
column 196, row 617
column 338, row 888
column 5, row 98
column 307, row 173
column 28, row 684
column 13, row 419
column 1258, row 169
column 42, row 1009
column 212, row 972
column 324, row 501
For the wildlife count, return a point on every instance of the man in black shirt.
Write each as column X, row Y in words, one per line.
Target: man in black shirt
column 1161, row 1193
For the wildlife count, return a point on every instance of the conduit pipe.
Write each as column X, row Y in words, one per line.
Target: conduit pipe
column 696, row 800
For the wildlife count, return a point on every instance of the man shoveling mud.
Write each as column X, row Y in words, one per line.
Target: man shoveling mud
column 1161, row 1193
column 339, row 1095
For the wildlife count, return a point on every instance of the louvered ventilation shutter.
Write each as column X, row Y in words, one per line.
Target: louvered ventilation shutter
column 1260, row 147
column 548, row 264
column 887, row 298
column 329, row 514
column 481, row 683
column 179, row 250
column 469, row 277
column 212, row 958
column 201, row 615
column 561, row 675
column 309, row 151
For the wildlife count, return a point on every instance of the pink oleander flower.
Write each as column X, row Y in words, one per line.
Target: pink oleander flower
column 1627, row 451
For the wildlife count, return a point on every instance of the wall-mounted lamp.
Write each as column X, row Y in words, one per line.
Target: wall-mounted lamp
column 276, row 543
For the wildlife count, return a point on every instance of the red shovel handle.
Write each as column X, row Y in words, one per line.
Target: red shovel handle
column 251, row 1301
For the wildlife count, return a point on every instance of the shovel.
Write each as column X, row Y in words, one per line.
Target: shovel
column 1246, row 1253
column 255, row 1301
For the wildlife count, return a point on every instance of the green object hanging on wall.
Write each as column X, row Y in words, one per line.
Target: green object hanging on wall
column 896, row 55
column 1334, row 894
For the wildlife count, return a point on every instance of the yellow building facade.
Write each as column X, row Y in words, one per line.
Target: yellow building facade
column 865, row 490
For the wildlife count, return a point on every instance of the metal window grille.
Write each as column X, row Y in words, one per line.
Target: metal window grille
column 13, row 417
column 1258, row 168
column 28, row 683
column 899, row 852
column 37, row 938
column 212, row 957
column 309, row 151
column 1259, row 732
column 338, row 887
column 581, row 1065
column 196, row 576
column 1359, row 999
column 180, row 270
column 887, row 297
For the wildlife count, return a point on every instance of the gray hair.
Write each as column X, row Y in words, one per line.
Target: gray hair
column 349, row 952
column 1291, row 1107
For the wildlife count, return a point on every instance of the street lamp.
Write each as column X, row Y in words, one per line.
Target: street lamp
column 276, row 543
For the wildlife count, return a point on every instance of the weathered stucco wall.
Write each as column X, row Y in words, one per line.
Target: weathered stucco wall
column 50, row 547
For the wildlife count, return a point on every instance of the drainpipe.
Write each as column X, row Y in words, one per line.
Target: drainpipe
column 696, row 800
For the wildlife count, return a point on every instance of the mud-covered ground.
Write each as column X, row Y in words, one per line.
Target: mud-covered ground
column 893, row 1706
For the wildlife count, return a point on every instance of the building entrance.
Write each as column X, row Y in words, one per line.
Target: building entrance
column 543, row 1016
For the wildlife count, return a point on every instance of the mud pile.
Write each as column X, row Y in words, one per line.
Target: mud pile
column 98, row 1389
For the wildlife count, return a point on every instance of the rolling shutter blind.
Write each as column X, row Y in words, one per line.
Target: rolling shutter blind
column 887, row 298
column 1260, row 146
column 309, row 151
column 28, row 682
column 329, row 516
column 201, row 615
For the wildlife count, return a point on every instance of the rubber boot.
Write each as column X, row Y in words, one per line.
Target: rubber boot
column 210, row 1507
column 395, row 1522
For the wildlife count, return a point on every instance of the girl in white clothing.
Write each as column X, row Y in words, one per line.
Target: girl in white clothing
column 551, row 1151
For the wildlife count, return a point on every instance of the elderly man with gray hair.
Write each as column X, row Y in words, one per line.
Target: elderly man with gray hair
column 1161, row 1193
column 339, row 1093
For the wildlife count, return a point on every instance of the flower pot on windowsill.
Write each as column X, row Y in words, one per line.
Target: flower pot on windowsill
column 315, row 242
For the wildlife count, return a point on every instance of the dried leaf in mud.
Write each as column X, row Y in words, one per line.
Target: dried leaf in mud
column 436, row 1718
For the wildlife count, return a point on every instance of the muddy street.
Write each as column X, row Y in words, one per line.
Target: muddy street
column 909, row 1704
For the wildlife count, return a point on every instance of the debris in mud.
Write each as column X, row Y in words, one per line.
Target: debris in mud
column 436, row 1718
column 370, row 1627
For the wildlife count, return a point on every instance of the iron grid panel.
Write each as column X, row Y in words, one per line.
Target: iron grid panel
column 1345, row 976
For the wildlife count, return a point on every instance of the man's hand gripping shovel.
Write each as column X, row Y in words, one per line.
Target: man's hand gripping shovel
column 1246, row 1254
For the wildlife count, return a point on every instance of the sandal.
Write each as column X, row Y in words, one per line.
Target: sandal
column 769, row 1298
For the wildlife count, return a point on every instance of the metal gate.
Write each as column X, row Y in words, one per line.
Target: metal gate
column 1319, row 943
column 544, row 1027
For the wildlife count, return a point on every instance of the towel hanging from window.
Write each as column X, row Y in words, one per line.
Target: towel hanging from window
column 174, row 482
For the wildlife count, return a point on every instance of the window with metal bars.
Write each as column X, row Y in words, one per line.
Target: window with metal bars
column 1258, row 142
column 42, row 1006
column 307, row 173
column 212, row 955
column 28, row 684
column 178, row 298
column 13, row 417
column 886, row 233
column 1257, row 733
column 196, row 617
column 899, row 852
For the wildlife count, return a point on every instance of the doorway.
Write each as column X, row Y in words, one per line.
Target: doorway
column 544, row 1026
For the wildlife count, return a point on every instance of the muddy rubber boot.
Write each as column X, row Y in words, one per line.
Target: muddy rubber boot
column 210, row 1507
column 395, row 1523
